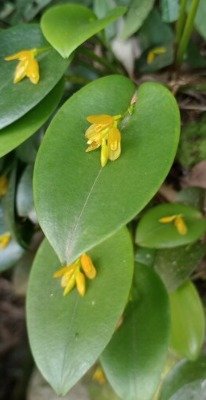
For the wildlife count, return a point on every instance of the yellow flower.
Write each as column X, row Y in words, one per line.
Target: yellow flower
column 27, row 66
column 72, row 275
column 154, row 53
column 179, row 222
column 4, row 240
column 99, row 376
column 3, row 185
column 104, row 132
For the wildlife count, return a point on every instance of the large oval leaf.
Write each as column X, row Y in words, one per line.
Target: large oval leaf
column 88, row 203
column 67, row 334
column 181, row 377
column 16, row 133
column 17, row 99
column 152, row 233
column 66, row 26
column 134, row 358
column 188, row 321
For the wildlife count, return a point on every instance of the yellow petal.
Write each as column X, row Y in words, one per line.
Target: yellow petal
column 168, row 219
column 180, row 225
column 3, row 185
column 103, row 119
column 104, row 153
column 154, row 53
column 80, row 282
column 4, row 240
column 87, row 266
column 70, row 285
column 20, row 71
column 114, row 138
column 21, row 55
column 67, row 276
column 93, row 146
column 32, row 71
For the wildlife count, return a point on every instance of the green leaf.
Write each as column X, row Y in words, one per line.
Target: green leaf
column 66, row 26
column 17, row 99
column 180, row 379
column 188, row 321
column 24, row 195
column 200, row 18
column 138, row 12
column 134, row 358
column 16, row 133
column 79, row 203
column 175, row 265
column 170, row 10
column 67, row 334
column 152, row 233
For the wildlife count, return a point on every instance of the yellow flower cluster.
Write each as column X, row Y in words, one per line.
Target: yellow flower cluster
column 27, row 66
column 104, row 133
column 72, row 275
column 178, row 221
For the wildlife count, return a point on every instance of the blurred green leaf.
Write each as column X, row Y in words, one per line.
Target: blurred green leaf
column 154, row 234
column 66, row 26
column 17, row 99
column 67, row 334
column 145, row 256
column 134, row 358
column 13, row 252
column 188, row 321
column 185, row 381
column 177, row 264
column 137, row 13
column 160, row 61
column 170, row 10
column 155, row 32
column 200, row 18
column 89, row 189
column 16, row 133
column 192, row 147
column 24, row 196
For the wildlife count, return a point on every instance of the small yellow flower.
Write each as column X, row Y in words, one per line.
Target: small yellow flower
column 104, row 132
column 178, row 221
column 4, row 240
column 27, row 66
column 99, row 376
column 3, row 185
column 152, row 54
column 72, row 275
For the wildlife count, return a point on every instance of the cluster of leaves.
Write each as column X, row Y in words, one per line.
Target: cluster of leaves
column 142, row 314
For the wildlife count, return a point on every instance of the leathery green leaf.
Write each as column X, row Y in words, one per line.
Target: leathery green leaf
column 16, row 133
column 185, row 381
column 134, row 358
column 79, row 203
column 188, row 321
column 66, row 26
column 155, row 234
column 17, row 99
column 68, row 333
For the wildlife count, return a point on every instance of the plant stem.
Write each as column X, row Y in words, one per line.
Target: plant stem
column 187, row 32
column 181, row 20
column 98, row 59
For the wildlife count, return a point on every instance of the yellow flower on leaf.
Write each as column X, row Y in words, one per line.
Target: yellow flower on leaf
column 152, row 54
column 27, row 66
column 74, row 274
column 4, row 240
column 178, row 221
column 104, row 133
column 99, row 376
column 3, row 185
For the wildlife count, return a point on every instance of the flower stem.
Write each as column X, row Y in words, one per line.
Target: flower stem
column 187, row 32
column 181, row 21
